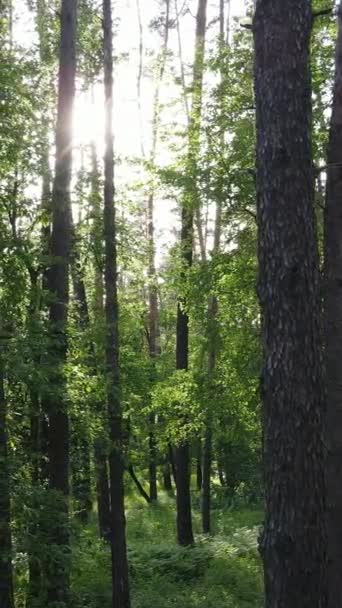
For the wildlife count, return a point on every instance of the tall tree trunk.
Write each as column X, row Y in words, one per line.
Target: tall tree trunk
column 100, row 444
column 154, row 347
column 333, row 331
column 58, row 283
column 182, row 452
column 294, row 538
column 120, row 582
column 6, row 574
column 81, row 471
column 212, row 318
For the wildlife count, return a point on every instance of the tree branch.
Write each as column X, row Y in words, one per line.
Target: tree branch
column 322, row 12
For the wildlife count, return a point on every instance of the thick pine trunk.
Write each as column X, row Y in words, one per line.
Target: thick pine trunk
column 293, row 545
column 58, row 284
column 120, row 582
column 182, row 452
column 333, row 332
column 6, row 574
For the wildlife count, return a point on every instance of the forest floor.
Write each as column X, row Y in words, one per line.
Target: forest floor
column 223, row 571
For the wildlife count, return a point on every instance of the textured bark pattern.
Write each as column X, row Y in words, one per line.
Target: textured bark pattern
column 121, row 598
column 182, row 452
column 294, row 540
column 6, row 576
column 58, row 284
column 333, row 332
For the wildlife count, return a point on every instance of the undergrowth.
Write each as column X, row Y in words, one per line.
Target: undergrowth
column 222, row 571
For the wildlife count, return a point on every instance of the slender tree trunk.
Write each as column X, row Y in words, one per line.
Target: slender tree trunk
column 138, row 485
column 6, row 574
column 81, row 471
column 58, row 283
column 182, row 452
column 102, row 489
column 100, row 445
column 154, row 347
column 333, row 331
column 212, row 317
column 121, row 597
column 35, row 414
column 199, row 472
column 293, row 545
column 167, row 481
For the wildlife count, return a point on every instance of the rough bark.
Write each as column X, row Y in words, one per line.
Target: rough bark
column 6, row 573
column 182, row 452
column 120, row 582
column 333, row 331
column 58, row 284
column 293, row 543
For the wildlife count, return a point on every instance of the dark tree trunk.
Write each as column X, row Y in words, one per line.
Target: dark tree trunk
column 81, row 472
column 207, row 448
column 6, row 574
column 333, row 332
column 100, row 445
column 167, row 480
column 81, row 478
column 152, row 469
column 172, row 463
column 213, row 328
column 182, row 452
column 121, row 596
column 102, row 490
column 293, row 545
column 139, row 485
column 199, row 474
column 58, row 284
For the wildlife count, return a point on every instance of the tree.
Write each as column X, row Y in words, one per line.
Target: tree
column 120, row 582
column 153, row 320
column 293, row 544
column 6, row 574
column 58, row 284
column 189, row 205
column 212, row 310
column 333, row 328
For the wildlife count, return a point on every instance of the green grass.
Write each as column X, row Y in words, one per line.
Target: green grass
column 219, row 572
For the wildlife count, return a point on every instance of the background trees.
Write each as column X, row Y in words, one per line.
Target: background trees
column 87, row 419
